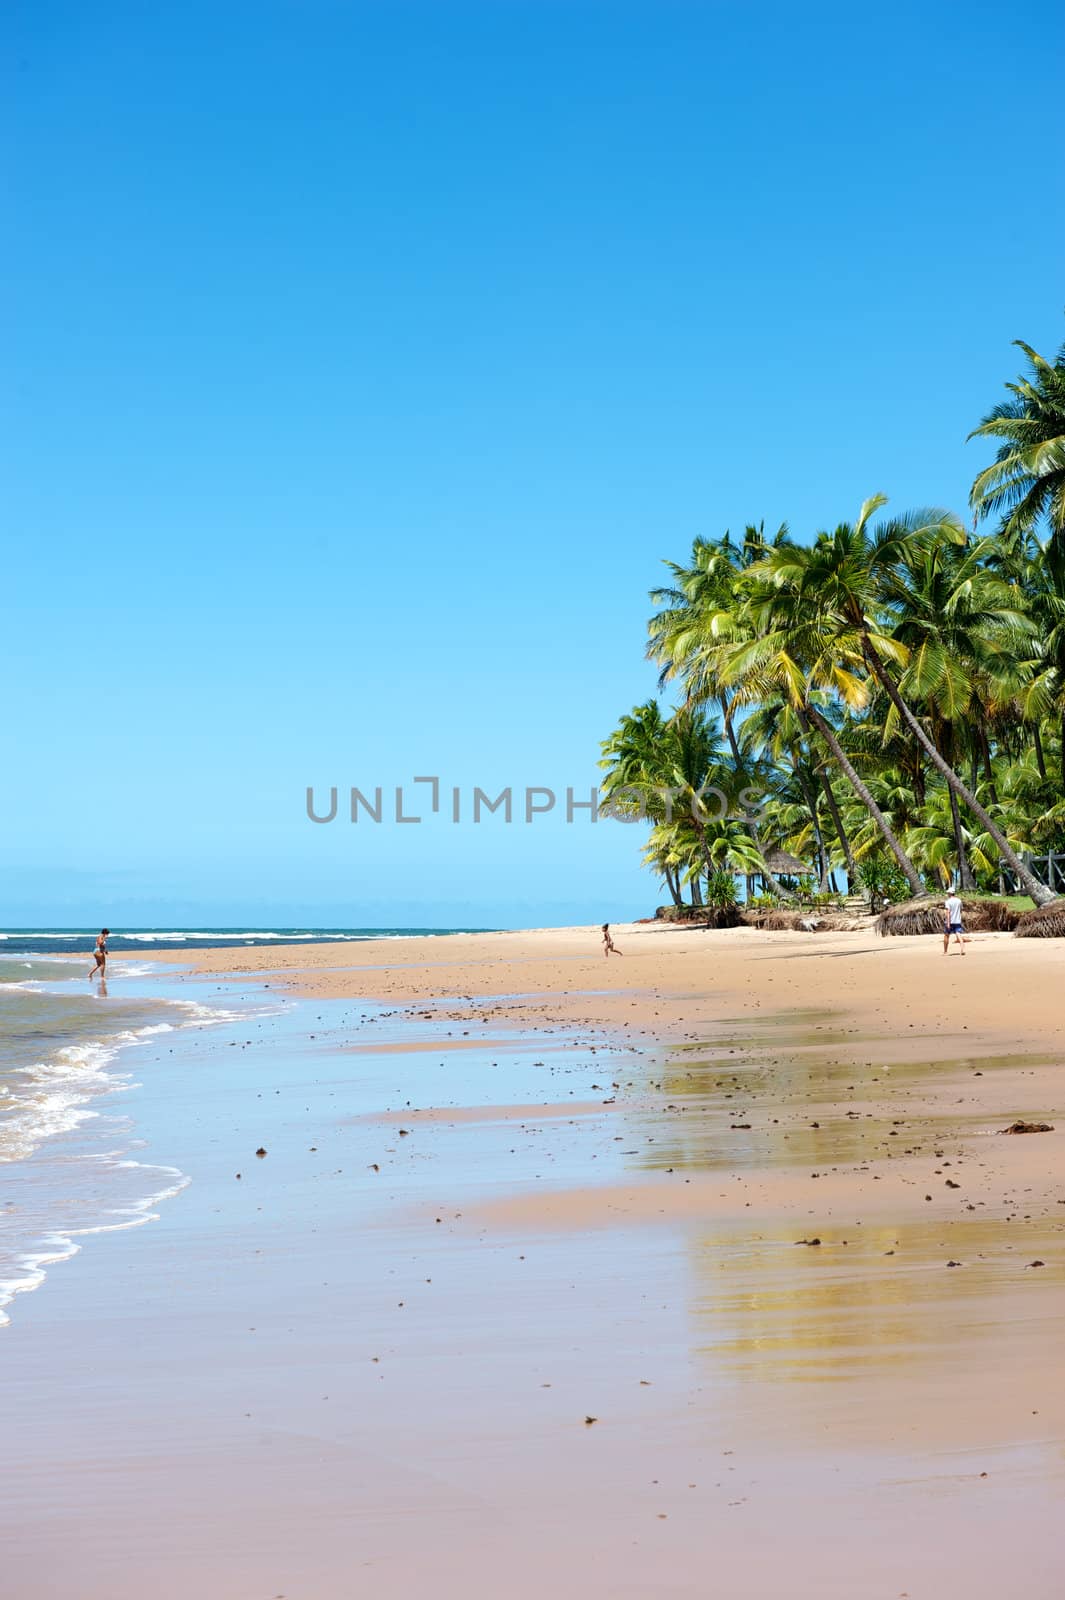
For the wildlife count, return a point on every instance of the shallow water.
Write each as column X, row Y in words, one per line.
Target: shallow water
column 70, row 1160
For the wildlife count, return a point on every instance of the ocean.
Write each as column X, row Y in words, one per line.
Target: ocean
column 71, row 1162
column 70, row 941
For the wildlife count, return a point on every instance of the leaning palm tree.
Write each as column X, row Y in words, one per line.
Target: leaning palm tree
column 846, row 581
column 775, row 730
column 1026, row 481
column 788, row 654
column 964, row 630
column 1043, row 696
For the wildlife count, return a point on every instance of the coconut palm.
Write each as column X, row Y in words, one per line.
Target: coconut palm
column 934, row 841
column 850, row 579
column 776, row 731
column 789, row 655
column 1026, row 481
column 698, row 615
column 1042, row 577
column 963, row 630
column 662, row 770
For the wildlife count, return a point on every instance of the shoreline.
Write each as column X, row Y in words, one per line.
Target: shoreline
column 661, row 965
column 512, row 1185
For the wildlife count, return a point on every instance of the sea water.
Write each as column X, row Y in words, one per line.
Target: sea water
column 71, row 1049
column 70, row 1161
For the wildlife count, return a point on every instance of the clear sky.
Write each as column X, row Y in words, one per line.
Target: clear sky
column 362, row 362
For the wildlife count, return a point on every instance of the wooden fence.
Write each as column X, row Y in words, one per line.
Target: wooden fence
column 1050, row 868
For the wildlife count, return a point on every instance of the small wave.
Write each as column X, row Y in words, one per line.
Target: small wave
column 203, row 1016
column 52, row 1096
column 213, row 935
column 60, row 1243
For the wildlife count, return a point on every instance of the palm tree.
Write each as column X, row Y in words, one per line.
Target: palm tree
column 1026, row 481
column 1043, row 579
column 934, row 840
column 661, row 769
column 778, row 731
column 696, row 615
column 789, row 655
column 963, row 628
column 849, row 579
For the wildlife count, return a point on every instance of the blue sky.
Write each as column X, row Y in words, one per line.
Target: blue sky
column 364, row 361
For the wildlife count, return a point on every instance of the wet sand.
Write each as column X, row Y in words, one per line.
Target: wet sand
column 511, row 1187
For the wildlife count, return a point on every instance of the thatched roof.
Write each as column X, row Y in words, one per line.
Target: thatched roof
column 1043, row 922
column 778, row 861
column 927, row 916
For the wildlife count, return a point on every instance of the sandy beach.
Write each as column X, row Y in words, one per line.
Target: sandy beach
column 465, row 479
column 705, row 1271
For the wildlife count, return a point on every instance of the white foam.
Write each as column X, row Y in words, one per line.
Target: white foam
column 61, row 1243
column 56, row 1096
column 52, row 1096
column 214, row 935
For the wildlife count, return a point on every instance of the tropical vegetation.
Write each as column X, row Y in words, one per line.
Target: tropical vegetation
column 884, row 700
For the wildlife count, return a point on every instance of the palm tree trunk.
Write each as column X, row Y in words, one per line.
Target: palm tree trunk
column 945, row 742
column 918, row 779
column 1040, row 758
column 834, row 813
column 965, row 875
column 810, row 796
column 671, row 885
column 989, row 771
column 827, row 733
column 711, row 866
column 750, row 824
column 841, row 832
column 1038, row 891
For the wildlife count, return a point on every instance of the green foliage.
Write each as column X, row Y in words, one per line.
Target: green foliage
column 720, row 890
column 894, row 690
column 1026, row 482
column 881, row 879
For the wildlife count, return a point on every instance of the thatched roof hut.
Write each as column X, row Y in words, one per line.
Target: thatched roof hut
column 1043, row 922
column 927, row 916
column 779, row 862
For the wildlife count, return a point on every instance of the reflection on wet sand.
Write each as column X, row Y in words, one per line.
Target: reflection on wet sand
column 856, row 1231
column 771, row 1307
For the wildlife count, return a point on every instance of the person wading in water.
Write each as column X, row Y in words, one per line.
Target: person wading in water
column 100, row 969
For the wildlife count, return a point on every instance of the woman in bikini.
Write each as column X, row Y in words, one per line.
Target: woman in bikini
column 609, row 947
column 100, row 969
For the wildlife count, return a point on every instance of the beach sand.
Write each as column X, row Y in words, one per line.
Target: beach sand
column 706, row 1271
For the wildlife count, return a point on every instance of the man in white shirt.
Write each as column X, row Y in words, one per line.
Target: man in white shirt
column 953, row 923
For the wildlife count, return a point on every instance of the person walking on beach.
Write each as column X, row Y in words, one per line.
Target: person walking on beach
column 100, row 953
column 609, row 947
column 953, row 923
